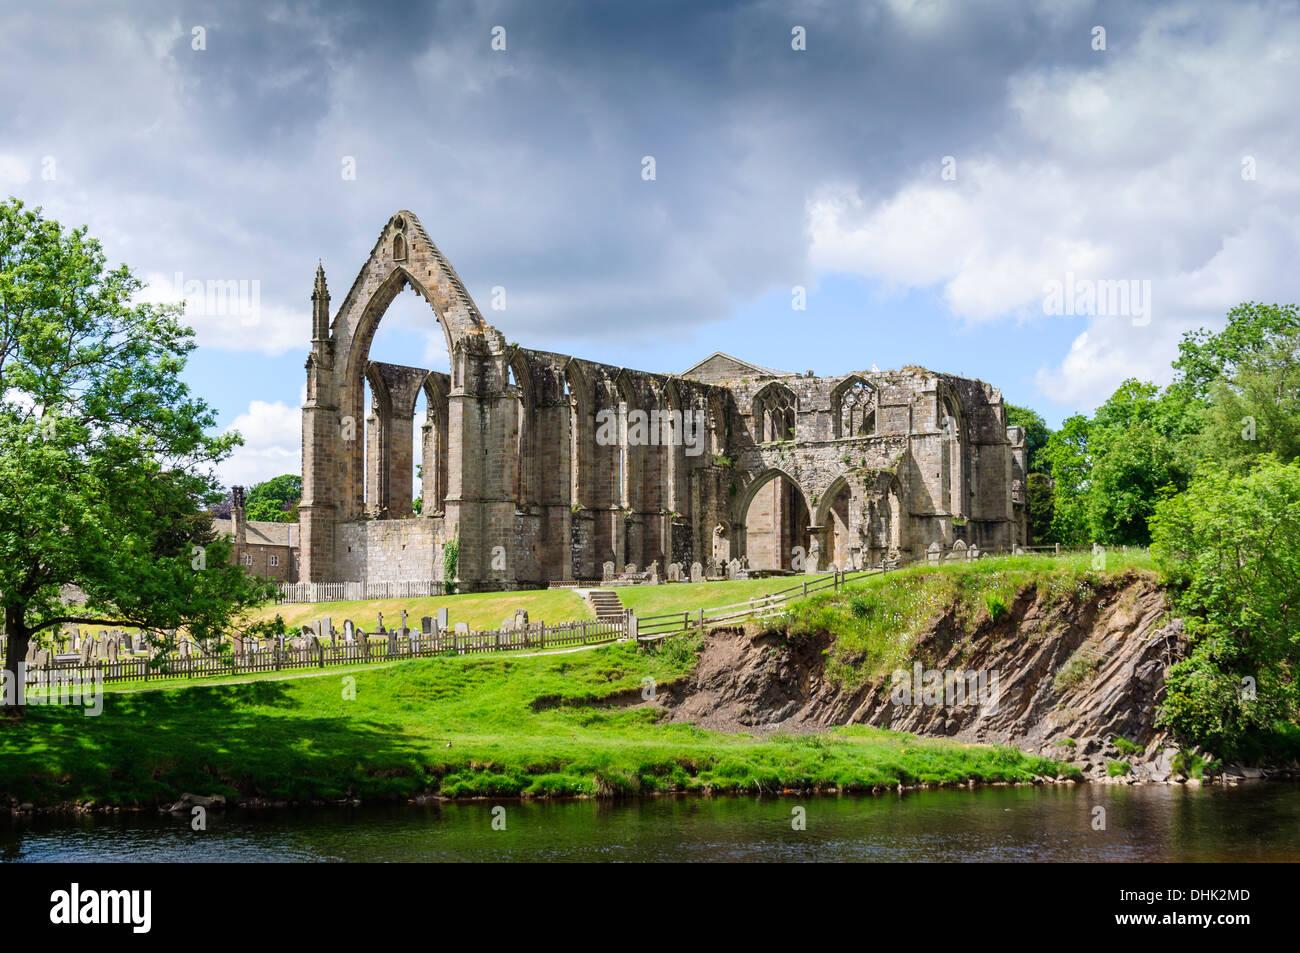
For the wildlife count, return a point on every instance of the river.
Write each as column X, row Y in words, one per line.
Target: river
column 1142, row 823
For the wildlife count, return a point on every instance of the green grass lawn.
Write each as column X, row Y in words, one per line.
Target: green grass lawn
column 687, row 597
column 460, row 727
column 481, row 610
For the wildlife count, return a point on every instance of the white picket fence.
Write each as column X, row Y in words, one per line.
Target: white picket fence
column 300, row 592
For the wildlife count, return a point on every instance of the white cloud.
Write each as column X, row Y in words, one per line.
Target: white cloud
column 272, row 435
column 1127, row 170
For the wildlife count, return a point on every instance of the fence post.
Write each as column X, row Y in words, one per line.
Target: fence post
column 805, row 588
column 701, row 621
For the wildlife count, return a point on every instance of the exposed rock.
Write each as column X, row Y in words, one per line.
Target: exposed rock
column 190, row 801
column 1072, row 676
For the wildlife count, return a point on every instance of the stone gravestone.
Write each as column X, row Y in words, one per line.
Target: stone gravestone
column 521, row 619
column 327, row 627
column 87, row 648
column 442, row 620
column 508, row 624
column 1020, row 550
column 30, row 657
column 934, row 553
column 349, row 631
column 403, row 620
column 958, row 551
column 392, row 642
column 185, row 648
column 426, row 625
column 674, row 572
column 380, row 626
column 606, row 571
column 697, row 572
column 112, row 650
column 733, row 569
column 462, row 628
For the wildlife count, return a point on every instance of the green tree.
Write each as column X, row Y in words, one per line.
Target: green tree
column 105, row 456
column 1206, row 356
column 275, row 500
column 1036, row 435
column 1137, row 450
column 1038, row 497
column 1231, row 547
column 1256, row 410
column 1067, row 459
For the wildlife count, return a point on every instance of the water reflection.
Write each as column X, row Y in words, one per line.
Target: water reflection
column 1150, row 823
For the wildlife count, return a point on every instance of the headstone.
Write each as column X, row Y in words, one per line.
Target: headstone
column 1020, row 550
column 315, row 628
column 442, row 620
column 697, row 572
column 403, row 620
column 112, row 650
column 508, row 624
column 674, row 572
column 87, row 649
column 462, row 628
column 630, row 568
column 380, row 626
column 426, row 625
column 958, row 551
column 521, row 618
column 185, row 649
column 606, row 571
column 349, row 631
column 733, row 569
column 934, row 553
column 327, row 627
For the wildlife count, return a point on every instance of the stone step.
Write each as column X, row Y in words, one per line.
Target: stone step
column 607, row 605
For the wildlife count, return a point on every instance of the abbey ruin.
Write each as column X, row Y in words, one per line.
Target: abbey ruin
column 541, row 467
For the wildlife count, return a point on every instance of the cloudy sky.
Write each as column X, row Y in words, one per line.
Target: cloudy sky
column 924, row 169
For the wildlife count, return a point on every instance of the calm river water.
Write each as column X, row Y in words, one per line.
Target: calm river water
column 1148, row 823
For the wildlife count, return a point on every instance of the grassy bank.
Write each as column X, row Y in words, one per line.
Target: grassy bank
column 459, row 727
column 877, row 619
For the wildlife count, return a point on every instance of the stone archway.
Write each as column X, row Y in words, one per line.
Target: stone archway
column 772, row 522
column 334, row 432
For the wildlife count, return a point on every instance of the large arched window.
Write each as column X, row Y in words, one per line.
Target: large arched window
column 854, row 408
column 775, row 410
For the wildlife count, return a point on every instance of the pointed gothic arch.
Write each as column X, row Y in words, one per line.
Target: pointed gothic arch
column 776, row 410
column 853, row 408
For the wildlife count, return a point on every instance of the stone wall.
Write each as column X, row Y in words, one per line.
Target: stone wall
column 547, row 466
